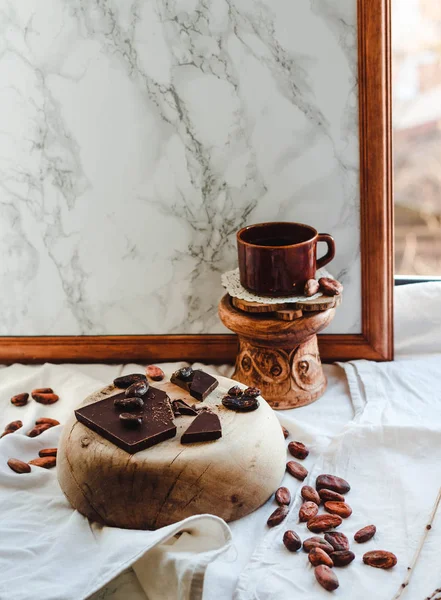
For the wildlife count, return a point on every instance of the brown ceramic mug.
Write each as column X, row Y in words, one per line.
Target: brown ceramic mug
column 276, row 259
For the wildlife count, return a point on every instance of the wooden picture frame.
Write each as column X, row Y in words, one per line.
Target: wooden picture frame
column 376, row 213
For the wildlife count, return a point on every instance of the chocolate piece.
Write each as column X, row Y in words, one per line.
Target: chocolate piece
column 128, row 403
column 198, row 383
column 202, row 385
column 240, row 403
column 205, row 427
column 182, row 408
column 124, row 381
column 130, row 419
column 139, row 388
column 157, row 423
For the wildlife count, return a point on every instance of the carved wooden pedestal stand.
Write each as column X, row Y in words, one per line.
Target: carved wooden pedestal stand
column 278, row 350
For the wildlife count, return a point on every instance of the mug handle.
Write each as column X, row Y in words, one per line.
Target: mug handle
column 324, row 260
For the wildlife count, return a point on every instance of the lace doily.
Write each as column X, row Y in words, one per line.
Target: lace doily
column 231, row 282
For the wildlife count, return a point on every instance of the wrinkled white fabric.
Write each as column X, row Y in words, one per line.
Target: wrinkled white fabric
column 382, row 433
column 50, row 551
column 390, row 452
column 417, row 319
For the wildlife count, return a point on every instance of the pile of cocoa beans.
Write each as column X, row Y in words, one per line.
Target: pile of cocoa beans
column 332, row 550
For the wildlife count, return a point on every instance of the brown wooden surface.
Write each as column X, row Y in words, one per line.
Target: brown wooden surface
column 376, row 341
column 280, row 357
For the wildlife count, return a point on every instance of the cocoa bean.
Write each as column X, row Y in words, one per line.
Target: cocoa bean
column 47, row 452
column 20, row 399
column 296, row 470
column 283, row 496
column 322, row 523
column 235, row 391
column 307, row 511
column 277, row 516
column 285, row 431
column 326, row 578
column 311, row 287
column 18, row 466
column 298, row 450
column 137, row 389
column 365, row 534
column 310, row 494
column 341, row 558
column 341, row 509
column 381, row 559
column 13, row 426
column 317, row 556
column 240, row 403
column 328, row 495
column 337, row 540
column 130, row 420
column 331, row 482
column 47, row 462
column 45, row 398
column 292, row 541
column 330, row 287
column 154, row 372
column 38, row 430
column 252, row 392
column 128, row 403
column 47, row 421
column 124, row 381
column 317, row 542
column 46, row 390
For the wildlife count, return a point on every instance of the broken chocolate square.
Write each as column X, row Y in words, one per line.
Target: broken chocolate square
column 183, row 377
column 204, row 428
column 182, row 408
column 202, row 385
column 198, row 383
column 157, row 425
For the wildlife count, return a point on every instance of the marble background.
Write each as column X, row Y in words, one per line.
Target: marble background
column 136, row 137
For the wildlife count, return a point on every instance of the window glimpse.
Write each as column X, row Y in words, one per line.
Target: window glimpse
column 416, row 68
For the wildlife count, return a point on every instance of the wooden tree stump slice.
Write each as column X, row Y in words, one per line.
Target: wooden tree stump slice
column 229, row 477
column 317, row 305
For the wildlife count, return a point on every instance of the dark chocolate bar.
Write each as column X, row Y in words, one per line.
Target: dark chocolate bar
column 204, row 428
column 156, row 426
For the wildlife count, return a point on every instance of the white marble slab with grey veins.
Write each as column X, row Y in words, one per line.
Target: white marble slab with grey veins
column 136, row 137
